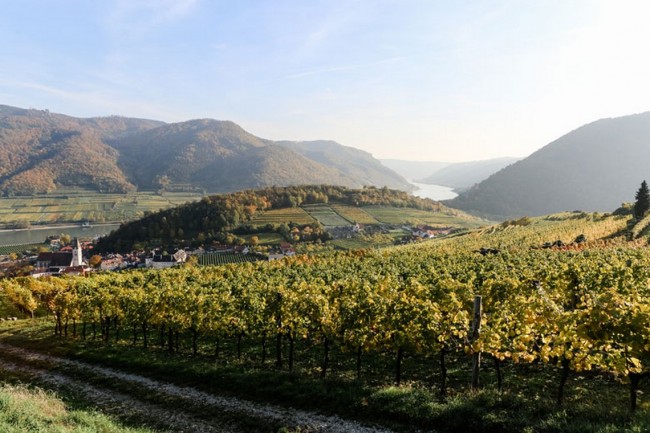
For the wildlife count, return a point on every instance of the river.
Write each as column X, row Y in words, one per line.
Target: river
column 434, row 192
column 36, row 235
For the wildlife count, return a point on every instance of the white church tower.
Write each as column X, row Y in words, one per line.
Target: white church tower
column 77, row 255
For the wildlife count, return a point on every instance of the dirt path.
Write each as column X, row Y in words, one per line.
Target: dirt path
column 192, row 411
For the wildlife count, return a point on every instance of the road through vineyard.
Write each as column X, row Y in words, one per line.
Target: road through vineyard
column 193, row 410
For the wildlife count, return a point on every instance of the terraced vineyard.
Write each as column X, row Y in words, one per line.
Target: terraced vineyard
column 354, row 214
column 282, row 216
column 326, row 215
column 8, row 249
column 392, row 215
column 80, row 205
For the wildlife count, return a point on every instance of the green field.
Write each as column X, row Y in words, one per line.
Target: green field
column 265, row 238
column 373, row 241
column 81, row 205
column 353, row 244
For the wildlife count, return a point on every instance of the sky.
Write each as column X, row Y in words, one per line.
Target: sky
column 407, row 79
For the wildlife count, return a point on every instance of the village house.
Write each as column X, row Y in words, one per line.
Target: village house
column 162, row 261
column 113, row 262
column 241, row 249
column 287, row 249
column 429, row 232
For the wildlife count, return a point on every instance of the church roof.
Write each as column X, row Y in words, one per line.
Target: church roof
column 56, row 259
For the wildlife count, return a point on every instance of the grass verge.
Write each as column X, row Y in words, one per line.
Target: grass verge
column 24, row 409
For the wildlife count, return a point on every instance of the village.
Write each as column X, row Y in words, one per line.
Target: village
column 64, row 256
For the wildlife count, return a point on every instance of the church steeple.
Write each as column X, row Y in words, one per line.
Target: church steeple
column 77, row 255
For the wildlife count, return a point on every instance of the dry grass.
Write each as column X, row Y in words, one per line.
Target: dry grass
column 25, row 409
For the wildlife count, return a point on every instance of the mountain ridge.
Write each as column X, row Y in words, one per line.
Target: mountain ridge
column 42, row 151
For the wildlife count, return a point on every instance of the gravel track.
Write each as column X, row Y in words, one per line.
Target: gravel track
column 174, row 419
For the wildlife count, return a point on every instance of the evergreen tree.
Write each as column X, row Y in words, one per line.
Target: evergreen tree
column 642, row 203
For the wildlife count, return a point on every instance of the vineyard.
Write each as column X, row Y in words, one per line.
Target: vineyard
column 573, row 309
column 388, row 215
column 282, row 216
column 326, row 215
column 339, row 214
column 8, row 249
column 209, row 259
column 354, row 214
column 77, row 205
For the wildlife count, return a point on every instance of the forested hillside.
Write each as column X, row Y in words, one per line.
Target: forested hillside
column 352, row 163
column 41, row 152
column 594, row 168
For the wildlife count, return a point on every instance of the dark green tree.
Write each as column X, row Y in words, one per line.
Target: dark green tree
column 642, row 203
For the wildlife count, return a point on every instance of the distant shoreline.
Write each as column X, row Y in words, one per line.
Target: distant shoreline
column 38, row 234
column 56, row 226
column 434, row 192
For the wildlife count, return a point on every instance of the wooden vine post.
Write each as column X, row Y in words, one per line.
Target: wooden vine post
column 476, row 330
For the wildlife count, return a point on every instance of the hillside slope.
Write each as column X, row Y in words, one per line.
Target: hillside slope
column 593, row 168
column 42, row 151
column 220, row 156
column 352, row 163
column 211, row 217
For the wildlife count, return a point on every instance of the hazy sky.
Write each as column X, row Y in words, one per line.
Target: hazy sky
column 430, row 80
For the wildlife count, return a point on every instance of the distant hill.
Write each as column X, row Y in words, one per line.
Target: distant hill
column 350, row 162
column 42, row 151
column 463, row 175
column 212, row 218
column 413, row 170
column 218, row 156
column 593, row 168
